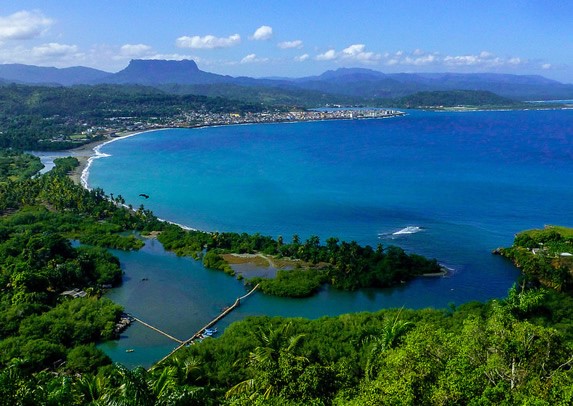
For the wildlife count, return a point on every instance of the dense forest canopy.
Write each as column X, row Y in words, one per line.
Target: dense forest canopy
column 455, row 98
column 41, row 117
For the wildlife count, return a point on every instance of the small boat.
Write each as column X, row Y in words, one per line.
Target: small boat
column 129, row 350
column 209, row 331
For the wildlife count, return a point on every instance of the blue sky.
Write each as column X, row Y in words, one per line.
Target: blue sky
column 295, row 38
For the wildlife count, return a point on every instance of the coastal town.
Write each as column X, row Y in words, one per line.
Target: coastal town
column 193, row 119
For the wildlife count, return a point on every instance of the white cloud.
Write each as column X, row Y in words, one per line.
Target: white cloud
column 302, row 58
column 53, row 49
column 264, row 32
column 208, row 41
column 327, row 56
column 355, row 53
column 252, row 58
column 23, row 25
column 174, row 57
column 546, row 66
column 417, row 59
column 461, row 60
column 484, row 61
column 134, row 50
column 50, row 54
column 290, row 44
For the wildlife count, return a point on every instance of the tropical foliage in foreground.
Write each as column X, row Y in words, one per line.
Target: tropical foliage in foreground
column 41, row 325
column 483, row 354
column 514, row 351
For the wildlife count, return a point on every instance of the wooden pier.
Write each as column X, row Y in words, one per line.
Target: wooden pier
column 156, row 329
column 208, row 325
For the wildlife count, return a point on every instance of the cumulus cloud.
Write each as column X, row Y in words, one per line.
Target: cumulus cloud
column 302, row 58
column 355, row 53
column 252, row 58
column 208, row 41
column 327, row 56
column 546, row 66
column 23, row 25
column 134, row 50
column 50, row 54
column 53, row 49
column 264, row 32
column 417, row 58
column 290, row 44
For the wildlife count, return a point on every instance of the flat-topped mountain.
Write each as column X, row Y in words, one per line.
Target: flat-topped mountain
column 155, row 72
column 356, row 83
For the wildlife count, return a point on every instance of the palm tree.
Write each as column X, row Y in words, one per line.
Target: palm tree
column 387, row 338
column 133, row 386
column 92, row 389
column 264, row 362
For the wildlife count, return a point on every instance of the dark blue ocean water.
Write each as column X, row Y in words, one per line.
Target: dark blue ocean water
column 468, row 181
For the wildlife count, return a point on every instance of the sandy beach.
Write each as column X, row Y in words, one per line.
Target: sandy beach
column 87, row 152
column 83, row 154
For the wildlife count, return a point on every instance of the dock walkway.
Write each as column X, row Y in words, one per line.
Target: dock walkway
column 208, row 325
column 156, row 329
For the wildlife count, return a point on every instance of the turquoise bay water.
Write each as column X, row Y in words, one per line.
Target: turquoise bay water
column 469, row 181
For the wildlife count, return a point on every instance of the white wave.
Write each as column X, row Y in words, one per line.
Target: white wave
column 408, row 230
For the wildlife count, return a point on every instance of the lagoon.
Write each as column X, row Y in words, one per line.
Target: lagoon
column 463, row 182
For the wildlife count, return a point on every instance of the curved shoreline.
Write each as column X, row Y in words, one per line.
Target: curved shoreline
column 97, row 154
column 82, row 174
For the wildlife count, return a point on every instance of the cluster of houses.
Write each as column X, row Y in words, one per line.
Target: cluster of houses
column 203, row 118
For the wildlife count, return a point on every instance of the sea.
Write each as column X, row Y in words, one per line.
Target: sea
column 448, row 185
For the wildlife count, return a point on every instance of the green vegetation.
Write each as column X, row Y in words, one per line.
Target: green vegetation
column 512, row 351
column 15, row 166
column 343, row 265
column 455, row 98
column 41, row 326
column 266, row 95
column 494, row 353
column 545, row 256
column 292, row 283
column 50, row 118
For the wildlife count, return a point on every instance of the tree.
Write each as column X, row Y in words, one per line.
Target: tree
column 392, row 331
column 266, row 362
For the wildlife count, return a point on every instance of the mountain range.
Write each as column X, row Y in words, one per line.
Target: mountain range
column 345, row 83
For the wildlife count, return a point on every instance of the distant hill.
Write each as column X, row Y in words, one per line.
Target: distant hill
column 29, row 74
column 453, row 98
column 373, row 84
column 344, row 85
column 268, row 95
